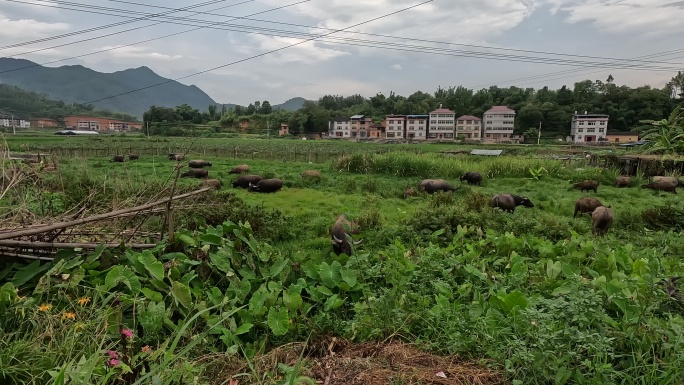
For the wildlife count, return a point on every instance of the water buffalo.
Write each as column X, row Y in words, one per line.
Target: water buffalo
column 117, row 158
column 623, row 181
column 311, row 174
column 425, row 182
column 199, row 163
column 133, row 156
column 587, row 185
column 245, row 180
column 472, row 177
column 241, row 169
column 410, row 192
column 662, row 185
column 266, row 185
column 602, row 219
column 508, row 202
column 215, row 183
column 195, row 173
column 586, row 205
column 669, row 179
column 176, row 157
column 434, row 185
column 338, row 235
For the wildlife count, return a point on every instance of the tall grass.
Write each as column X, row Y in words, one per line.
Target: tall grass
column 431, row 165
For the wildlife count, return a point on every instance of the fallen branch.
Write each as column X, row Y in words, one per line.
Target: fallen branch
column 57, row 226
column 64, row 245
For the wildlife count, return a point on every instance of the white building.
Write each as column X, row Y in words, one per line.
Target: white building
column 394, row 127
column 416, row 126
column 469, row 126
column 339, row 128
column 499, row 122
column 588, row 128
column 6, row 121
column 442, row 124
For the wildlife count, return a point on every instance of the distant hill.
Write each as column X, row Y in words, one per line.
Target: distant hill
column 31, row 105
column 291, row 105
column 78, row 84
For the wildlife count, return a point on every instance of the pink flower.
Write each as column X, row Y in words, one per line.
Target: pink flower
column 113, row 354
column 114, row 362
column 128, row 333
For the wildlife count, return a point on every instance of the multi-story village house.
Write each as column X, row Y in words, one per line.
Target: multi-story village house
column 499, row 122
column 395, row 126
column 339, row 128
column 441, row 124
column 469, row 126
column 359, row 126
column 588, row 128
column 417, row 126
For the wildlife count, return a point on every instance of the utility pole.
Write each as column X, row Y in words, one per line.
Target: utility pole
column 539, row 133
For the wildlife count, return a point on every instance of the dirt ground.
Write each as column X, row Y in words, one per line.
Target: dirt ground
column 339, row 362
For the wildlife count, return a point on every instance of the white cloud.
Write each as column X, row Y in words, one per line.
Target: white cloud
column 29, row 28
column 648, row 18
column 309, row 52
column 397, row 67
column 138, row 52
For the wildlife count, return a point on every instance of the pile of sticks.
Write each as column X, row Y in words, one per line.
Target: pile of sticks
column 38, row 241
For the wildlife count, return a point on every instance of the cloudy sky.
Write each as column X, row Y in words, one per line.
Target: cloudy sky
column 474, row 43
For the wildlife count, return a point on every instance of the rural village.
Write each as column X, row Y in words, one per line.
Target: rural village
column 521, row 225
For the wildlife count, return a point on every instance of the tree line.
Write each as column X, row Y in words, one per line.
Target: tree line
column 554, row 108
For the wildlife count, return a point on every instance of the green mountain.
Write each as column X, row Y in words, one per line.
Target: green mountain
column 31, row 105
column 78, row 84
column 291, row 105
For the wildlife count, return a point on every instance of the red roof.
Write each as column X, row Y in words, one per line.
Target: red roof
column 499, row 109
column 469, row 117
column 442, row 111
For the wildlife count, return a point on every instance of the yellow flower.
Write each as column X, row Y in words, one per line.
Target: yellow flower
column 45, row 307
column 69, row 315
column 83, row 301
column 79, row 326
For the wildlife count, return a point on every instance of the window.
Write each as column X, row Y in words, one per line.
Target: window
column 602, row 129
column 581, row 123
column 390, row 134
column 603, row 122
column 580, row 130
column 489, row 136
column 591, row 123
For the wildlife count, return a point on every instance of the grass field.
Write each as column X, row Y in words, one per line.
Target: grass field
column 534, row 297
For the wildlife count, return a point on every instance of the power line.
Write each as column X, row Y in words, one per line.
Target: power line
column 267, row 52
column 148, row 40
column 417, row 49
column 546, row 77
column 392, row 36
column 103, row 26
column 289, row 33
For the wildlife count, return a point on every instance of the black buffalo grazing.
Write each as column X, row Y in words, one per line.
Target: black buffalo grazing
column 117, row 158
column 176, row 157
column 587, row 205
column 623, row 181
column 195, row 173
column 311, row 174
column 199, row 163
column 508, row 202
column 668, row 179
column 266, row 185
column 587, row 185
column 410, row 192
column 245, row 180
column 338, row 235
column 241, row 169
column 431, row 186
column 472, row 177
column 602, row 219
column 662, row 185
column 133, row 156
column 215, row 183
